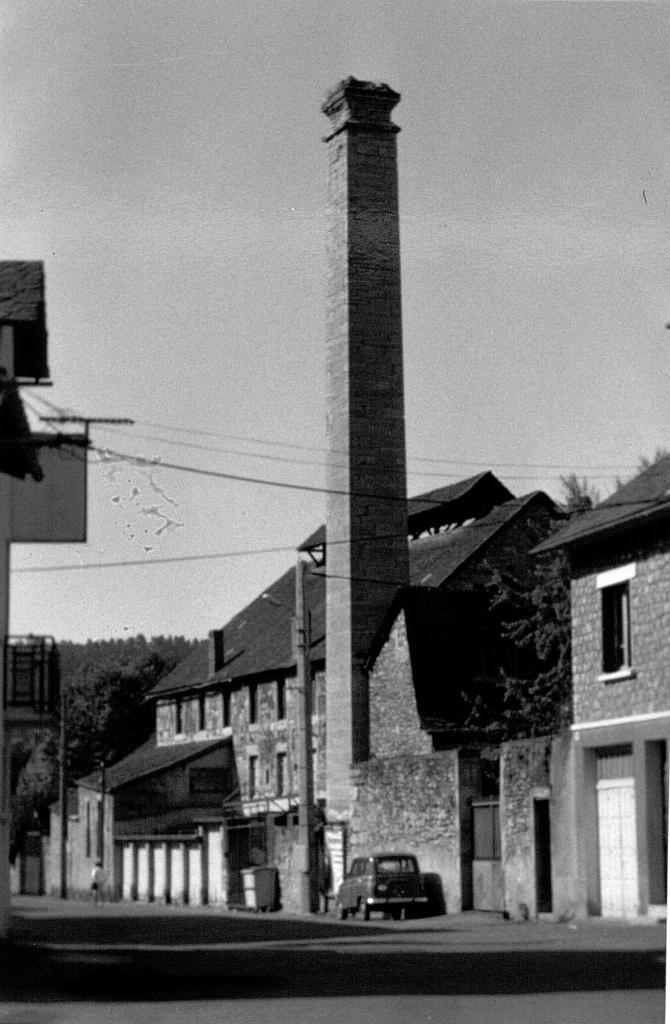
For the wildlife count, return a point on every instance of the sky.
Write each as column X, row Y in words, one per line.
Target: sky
column 165, row 159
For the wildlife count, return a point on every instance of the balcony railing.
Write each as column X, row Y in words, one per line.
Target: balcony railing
column 31, row 674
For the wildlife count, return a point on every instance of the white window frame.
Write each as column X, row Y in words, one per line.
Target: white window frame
column 606, row 581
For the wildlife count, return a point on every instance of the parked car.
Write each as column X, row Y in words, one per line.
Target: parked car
column 390, row 882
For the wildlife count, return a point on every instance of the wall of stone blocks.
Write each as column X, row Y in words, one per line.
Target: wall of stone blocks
column 411, row 804
column 264, row 738
column 531, row 769
column 394, row 721
column 525, row 767
column 648, row 690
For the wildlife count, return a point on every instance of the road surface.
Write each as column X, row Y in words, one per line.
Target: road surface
column 136, row 964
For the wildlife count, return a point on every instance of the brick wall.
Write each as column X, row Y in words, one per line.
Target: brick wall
column 411, row 804
column 394, row 720
column 367, row 533
column 649, row 590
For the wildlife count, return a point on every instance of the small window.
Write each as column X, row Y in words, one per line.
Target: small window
column 202, row 717
column 253, row 775
column 179, row 716
column 226, row 709
column 281, row 773
column 395, row 865
column 281, row 699
column 616, row 627
column 253, row 704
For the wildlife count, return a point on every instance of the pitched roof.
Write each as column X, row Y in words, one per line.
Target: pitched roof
column 465, row 499
column 642, row 500
column 259, row 638
column 147, row 760
column 21, row 291
column 433, row 560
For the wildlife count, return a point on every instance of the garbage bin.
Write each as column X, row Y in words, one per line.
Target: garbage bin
column 249, row 888
column 266, row 888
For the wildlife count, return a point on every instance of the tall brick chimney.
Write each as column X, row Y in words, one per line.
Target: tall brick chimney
column 367, row 552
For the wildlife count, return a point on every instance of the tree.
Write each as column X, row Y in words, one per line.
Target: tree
column 106, row 686
column 106, row 683
column 34, row 788
column 535, row 699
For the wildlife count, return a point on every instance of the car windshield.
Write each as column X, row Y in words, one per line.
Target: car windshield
column 390, row 865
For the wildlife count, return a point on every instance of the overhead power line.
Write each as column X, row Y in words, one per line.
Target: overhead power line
column 273, row 443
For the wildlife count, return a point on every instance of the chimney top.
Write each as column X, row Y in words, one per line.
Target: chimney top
column 353, row 102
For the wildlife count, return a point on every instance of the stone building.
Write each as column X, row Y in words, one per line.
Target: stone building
column 619, row 557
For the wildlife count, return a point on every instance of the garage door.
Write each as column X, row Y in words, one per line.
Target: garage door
column 127, row 872
column 194, row 875
column 618, row 847
column 214, row 866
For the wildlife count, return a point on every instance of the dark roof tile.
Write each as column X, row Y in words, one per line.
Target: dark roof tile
column 641, row 500
column 147, row 760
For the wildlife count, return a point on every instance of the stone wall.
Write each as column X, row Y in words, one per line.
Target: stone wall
column 530, row 770
column 524, row 771
column 264, row 738
column 394, row 721
column 647, row 690
column 411, row 803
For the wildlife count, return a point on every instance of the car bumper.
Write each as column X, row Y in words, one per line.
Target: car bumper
column 396, row 901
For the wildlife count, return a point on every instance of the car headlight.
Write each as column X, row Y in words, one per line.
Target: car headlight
column 382, row 887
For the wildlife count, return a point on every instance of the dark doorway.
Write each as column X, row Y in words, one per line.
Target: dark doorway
column 542, row 857
column 247, row 847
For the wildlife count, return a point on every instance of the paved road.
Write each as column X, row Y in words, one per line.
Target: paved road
column 72, row 962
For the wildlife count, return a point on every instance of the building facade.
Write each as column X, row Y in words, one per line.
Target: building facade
column 620, row 567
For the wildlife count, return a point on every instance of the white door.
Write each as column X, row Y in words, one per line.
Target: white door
column 177, row 873
column 214, row 866
column 194, row 875
column 160, row 872
column 143, row 871
column 618, row 847
column 127, row 872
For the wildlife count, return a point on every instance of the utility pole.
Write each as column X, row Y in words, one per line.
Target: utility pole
column 62, row 791
column 308, row 893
